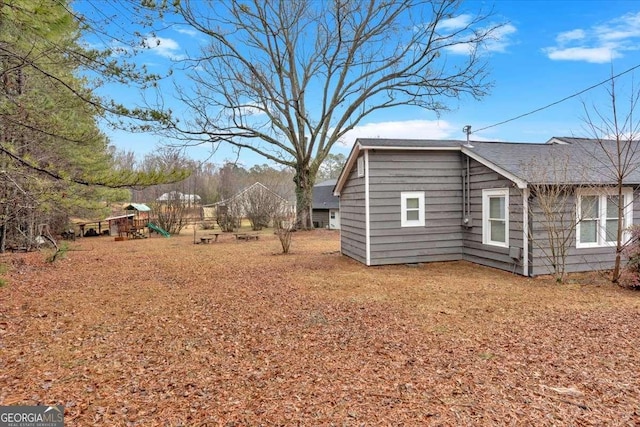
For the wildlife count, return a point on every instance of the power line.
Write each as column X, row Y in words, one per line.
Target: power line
column 558, row 102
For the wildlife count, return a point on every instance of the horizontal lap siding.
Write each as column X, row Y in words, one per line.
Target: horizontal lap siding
column 481, row 177
column 577, row 260
column 352, row 218
column 438, row 174
column 321, row 217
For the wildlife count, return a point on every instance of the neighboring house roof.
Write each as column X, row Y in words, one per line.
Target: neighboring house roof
column 141, row 207
column 323, row 197
column 176, row 195
column 562, row 160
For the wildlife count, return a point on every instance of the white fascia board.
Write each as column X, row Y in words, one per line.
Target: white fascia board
column 344, row 175
column 398, row 148
column 519, row 182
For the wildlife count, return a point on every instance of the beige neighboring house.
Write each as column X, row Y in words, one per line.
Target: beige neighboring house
column 210, row 211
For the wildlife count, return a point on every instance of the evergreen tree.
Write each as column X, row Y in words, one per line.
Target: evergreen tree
column 54, row 160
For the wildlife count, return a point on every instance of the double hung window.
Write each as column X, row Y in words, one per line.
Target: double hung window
column 597, row 217
column 495, row 217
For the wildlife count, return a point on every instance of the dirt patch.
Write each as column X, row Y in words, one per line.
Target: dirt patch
column 164, row 332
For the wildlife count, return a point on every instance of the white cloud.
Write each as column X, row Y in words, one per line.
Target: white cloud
column 162, row 46
column 460, row 49
column 599, row 43
column 497, row 41
column 595, row 55
column 456, row 23
column 569, row 36
column 187, row 31
column 250, row 110
column 408, row 129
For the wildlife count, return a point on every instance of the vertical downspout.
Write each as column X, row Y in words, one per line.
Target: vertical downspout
column 468, row 192
column 525, row 231
column 366, row 208
column 464, row 192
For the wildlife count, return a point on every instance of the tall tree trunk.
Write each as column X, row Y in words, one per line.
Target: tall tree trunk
column 304, row 180
column 3, row 229
column 615, row 276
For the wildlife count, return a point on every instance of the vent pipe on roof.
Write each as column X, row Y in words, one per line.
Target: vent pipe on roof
column 467, row 130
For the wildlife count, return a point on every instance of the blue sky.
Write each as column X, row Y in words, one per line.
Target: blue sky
column 547, row 51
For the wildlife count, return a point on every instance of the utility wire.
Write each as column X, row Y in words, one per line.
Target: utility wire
column 558, row 102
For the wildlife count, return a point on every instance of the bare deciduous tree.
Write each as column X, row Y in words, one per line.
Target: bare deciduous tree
column 284, row 225
column 616, row 155
column 260, row 205
column 288, row 79
column 552, row 208
column 171, row 215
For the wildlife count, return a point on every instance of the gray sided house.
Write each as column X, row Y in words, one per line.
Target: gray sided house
column 411, row 201
column 325, row 210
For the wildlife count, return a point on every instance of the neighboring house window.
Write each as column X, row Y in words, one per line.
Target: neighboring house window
column 598, row 217
column 412, row 208
column 495, row 217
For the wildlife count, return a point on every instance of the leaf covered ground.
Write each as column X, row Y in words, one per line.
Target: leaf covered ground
column 163, row 332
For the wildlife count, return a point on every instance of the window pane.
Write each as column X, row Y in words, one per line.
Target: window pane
column 497, row 231
column 612, row 230
column 413, row 203
column 413, row 215
column 496, row 207
column 588, row 207
column 612, row 207
column 588, row 231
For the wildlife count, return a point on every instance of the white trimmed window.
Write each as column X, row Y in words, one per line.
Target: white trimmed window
column 360, row 165
column 495, row 217
column 597, row 219
column 412, row 208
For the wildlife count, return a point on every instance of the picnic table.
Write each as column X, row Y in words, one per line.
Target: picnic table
column 246, row 236
column 208, row 238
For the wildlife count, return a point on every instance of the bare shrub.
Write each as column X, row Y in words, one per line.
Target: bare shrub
column 170, row 215
column 229, row 216
column 630, row 275
column 552, row 207
column 284, row 229
column 260, row 205
column 207, row 225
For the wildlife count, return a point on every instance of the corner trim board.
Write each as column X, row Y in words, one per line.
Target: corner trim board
column 525, row 232
column 366, row 208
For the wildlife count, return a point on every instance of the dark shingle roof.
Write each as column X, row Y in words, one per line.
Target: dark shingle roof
column 323, row 197
column 581, row 161
column 572, row 161
column 562, row 160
